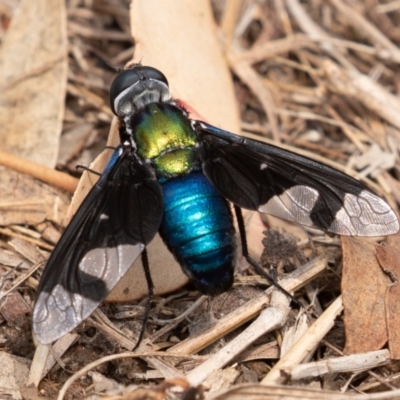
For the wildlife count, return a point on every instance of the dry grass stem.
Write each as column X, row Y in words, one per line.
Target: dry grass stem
column 355, row 363
column 306, row 344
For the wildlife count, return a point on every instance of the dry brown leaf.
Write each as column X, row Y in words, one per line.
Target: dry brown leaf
column 33, row 72
column 179, row 38
column 33, row 75
column 363, row 290
column 389, row 256
column 201, row 80
column 254, row 234
column 166, row 273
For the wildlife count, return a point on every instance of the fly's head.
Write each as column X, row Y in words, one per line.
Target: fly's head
column 136, row 87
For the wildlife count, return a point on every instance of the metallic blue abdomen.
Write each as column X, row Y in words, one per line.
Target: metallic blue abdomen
column 197, row 228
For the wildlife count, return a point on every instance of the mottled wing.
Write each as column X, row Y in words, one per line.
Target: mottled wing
column 259, row 176
column 120, row 215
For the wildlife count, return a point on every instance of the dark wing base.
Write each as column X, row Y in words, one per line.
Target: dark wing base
column 259, row 176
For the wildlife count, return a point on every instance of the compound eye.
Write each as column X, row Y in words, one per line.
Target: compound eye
column 122, row 81
column 155, row 74
column 130, row 77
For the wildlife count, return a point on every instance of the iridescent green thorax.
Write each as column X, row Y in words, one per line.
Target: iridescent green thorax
column 164, row 135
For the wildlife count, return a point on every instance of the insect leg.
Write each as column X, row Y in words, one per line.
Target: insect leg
column 251, row 261
column 150, row 285
column 85, row 168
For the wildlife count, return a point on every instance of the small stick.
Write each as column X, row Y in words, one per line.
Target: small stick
column 305, row 344
column 45, row 174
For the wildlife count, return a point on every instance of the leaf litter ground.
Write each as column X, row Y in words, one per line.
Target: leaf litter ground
column 320, row 78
